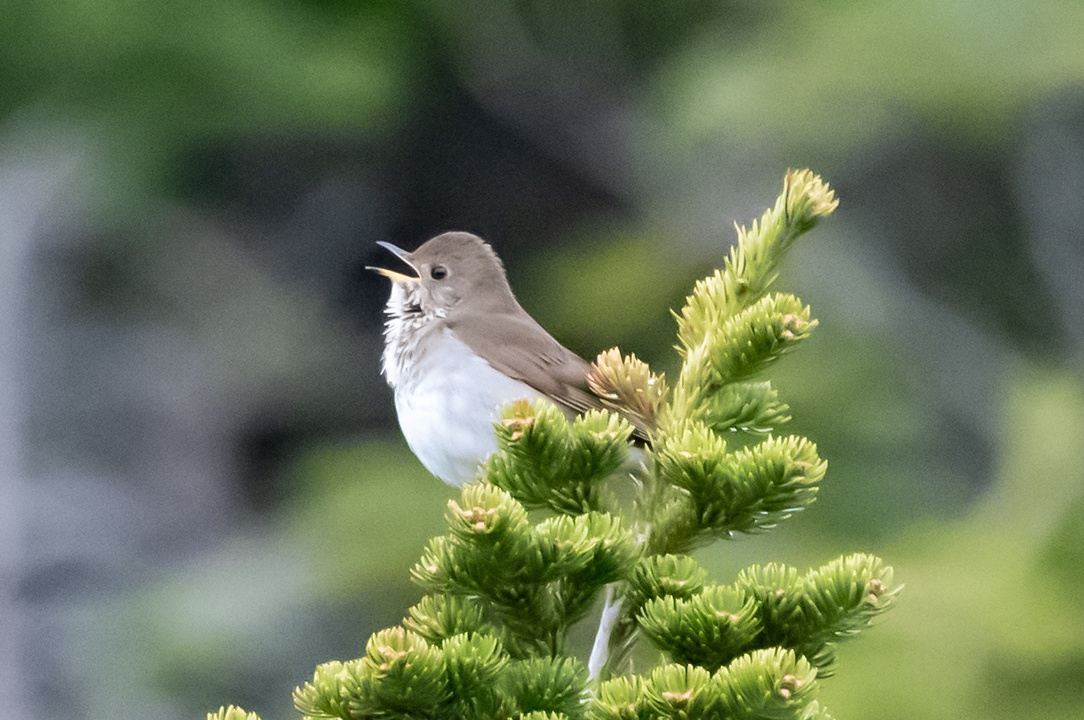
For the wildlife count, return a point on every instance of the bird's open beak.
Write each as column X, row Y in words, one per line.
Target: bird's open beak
column 391, row 274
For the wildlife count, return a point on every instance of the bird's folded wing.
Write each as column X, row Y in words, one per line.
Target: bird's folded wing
column 528, row 353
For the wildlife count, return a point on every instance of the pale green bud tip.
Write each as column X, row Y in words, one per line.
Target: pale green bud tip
column 232, row 713
column 477, row 518
column 627, row 385
column 807, row 197
column 518, row 419
column 788, row 685
column 678, row 698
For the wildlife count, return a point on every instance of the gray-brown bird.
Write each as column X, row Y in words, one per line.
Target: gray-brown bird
column 458, row 347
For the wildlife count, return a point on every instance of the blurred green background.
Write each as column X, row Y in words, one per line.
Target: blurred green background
column 204, row 492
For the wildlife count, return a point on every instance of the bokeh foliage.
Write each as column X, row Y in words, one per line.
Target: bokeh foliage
column 858, row 89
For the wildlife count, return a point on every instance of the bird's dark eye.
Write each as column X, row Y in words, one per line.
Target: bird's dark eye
column 438, row 272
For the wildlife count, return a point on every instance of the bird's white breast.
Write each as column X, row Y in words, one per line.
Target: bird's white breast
column 448, row 399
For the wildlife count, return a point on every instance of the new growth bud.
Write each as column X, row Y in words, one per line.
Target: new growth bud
column 807, row 197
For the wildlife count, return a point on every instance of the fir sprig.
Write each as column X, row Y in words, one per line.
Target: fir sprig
column 546, row 460
column 751, row 266
column 772, row 606
column 751, row 407
column 766, row 684
column 748, row 490
column 536, row 580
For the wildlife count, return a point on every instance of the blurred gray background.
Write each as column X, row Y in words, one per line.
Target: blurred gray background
column 203, row 492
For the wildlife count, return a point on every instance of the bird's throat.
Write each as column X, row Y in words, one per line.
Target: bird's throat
column 405, row 332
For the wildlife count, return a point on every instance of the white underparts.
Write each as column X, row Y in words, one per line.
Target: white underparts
column 447, row 398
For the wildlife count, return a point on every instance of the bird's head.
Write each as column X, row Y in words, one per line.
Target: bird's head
column 449, row 270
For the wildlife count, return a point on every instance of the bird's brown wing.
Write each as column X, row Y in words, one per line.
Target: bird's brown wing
column 528, row 353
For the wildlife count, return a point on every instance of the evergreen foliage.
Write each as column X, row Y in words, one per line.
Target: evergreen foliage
column 232, row 713
column 503, row 588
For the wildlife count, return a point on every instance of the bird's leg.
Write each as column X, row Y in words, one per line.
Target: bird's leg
column 600, row 651
column 616, row 627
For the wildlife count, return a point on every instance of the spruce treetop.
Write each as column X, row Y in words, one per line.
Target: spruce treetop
column 569, row 521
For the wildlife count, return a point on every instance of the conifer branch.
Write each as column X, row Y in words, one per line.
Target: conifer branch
column 709, row 629
column 535, row 579
column 751, row 407
column 554, row 685
column 812, row 613
column 664, row 576
column 772, row 606
column 545, row 460
column 727, row 325
column 751, row 266
column 439, row 617
column 770, row 683
column 746, row 491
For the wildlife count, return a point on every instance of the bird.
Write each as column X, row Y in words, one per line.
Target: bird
column 458, row 347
